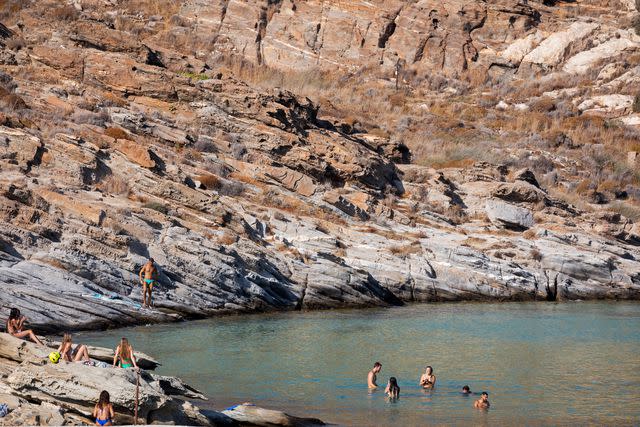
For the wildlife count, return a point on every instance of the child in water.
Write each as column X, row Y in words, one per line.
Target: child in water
column 103, row 411
column 392, row 390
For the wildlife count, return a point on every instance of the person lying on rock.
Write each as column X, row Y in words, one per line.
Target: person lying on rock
column 124, row 355
column 103, row 411
column 71, row 354
column 15, row 326
column 150, row 279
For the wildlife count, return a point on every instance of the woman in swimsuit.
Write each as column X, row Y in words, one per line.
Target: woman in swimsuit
column 103, row 411
column 71, row 354
column 15, row 323
column 428, row 380
column 392, row 390
column 124, row 355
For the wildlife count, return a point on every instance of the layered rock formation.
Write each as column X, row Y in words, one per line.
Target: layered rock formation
column 41, row 393
column 124, row 137
column 38, row 392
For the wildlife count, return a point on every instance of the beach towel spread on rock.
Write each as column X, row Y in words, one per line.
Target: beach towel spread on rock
column 4, row 410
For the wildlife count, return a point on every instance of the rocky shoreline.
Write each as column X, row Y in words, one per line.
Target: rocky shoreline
column 119, row 144
column 38, row 392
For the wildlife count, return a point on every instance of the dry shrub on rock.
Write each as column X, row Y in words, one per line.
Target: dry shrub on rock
column 114, row 184
column 117, row 133
column 209, row 181
column 64, row 13
column 156, row 206
column 227, row 238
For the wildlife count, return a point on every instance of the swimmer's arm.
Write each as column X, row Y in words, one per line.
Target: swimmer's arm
column 115, row 356
column 112, row 415
column 95, row 412
column 140, row 274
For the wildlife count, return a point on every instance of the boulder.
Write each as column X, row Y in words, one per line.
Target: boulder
column 292, row 180
column 552, row 50
column 607, row 105
column 584, row 61
column 18, row 148
column 76, row 387
column 136, row 153
column 526, row 175
column 519, row 191
column 509, row 216
column 517, row 50
column 250, row 414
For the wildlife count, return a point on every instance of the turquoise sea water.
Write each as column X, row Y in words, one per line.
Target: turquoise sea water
column 542, row 363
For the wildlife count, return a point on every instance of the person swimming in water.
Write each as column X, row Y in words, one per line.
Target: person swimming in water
column 466, row 390
column 103, row 411
column 71, row 354
column 124, row 355
column 150, row 280
column 428, row 380
column 392, row 390
column 15, row 326
column 372, row 376
column 483, row 402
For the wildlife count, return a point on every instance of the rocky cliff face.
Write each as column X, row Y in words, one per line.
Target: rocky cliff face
column 150, row 128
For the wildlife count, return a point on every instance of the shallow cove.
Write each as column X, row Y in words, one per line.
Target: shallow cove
column 542, row 363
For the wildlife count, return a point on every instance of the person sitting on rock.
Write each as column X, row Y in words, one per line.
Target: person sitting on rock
column 428, row 380
column 71, row 354
column 124, row 355
column 483, row 402
column 150, row 279
column 15, row 325
column 103, row 411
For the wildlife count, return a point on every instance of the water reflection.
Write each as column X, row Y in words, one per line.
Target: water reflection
column 541, row 363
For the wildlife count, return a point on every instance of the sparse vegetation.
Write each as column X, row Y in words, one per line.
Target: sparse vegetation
column 114, row 184
column 195, row 76
column 157, row 206
column 403, row 251
column 64, row 13
column 117, row 133
column 227, row 238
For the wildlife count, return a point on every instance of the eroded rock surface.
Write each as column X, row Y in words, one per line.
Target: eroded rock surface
column 131, row 136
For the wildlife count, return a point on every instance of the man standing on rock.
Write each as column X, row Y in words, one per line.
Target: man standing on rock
column 371, row 378
column 150, row 279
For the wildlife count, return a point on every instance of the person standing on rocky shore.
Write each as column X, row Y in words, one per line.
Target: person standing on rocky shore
column 15, row 324
column 150, row 279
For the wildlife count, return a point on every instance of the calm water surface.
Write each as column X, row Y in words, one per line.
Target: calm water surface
column 542, row 363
